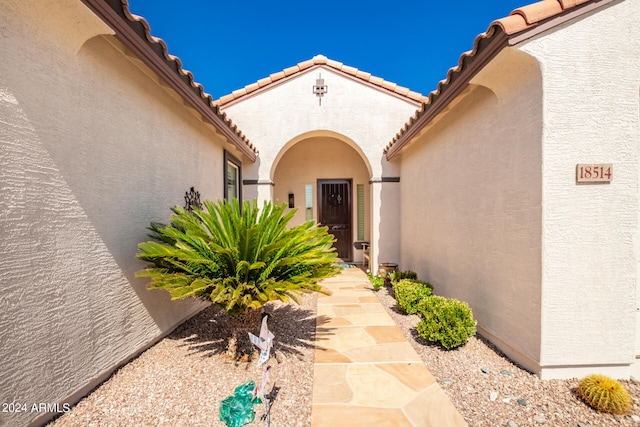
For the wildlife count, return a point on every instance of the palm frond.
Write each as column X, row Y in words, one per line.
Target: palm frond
column 239, row 257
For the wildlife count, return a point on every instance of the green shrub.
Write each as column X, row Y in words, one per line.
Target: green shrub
column 446, row 321
column 399, row 275
column 604, row 394
column 376, row 281
column 409, row 293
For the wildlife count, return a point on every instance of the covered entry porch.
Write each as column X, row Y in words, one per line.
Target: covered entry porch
column 328, row 178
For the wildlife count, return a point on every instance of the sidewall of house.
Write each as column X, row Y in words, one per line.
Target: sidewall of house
column 590, row 257
column 92, row 148
column 471, row 203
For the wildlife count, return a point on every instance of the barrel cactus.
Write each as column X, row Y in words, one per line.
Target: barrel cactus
column 604, row 394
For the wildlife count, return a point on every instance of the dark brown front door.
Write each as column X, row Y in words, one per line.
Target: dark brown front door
column 334, row 211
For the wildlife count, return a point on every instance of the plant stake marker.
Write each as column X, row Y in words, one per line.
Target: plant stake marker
column 264, row 342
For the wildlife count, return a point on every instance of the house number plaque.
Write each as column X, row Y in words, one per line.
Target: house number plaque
column 593, row 173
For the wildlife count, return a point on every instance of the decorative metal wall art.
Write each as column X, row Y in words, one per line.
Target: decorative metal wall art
column 335, row 199
column 192, row 200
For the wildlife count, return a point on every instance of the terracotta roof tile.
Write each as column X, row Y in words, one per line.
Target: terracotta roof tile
column 291, row 70
column 350, row 70
column 306, row 64
column 263, row 82
column 539, row 11
column 334, row 64
column 322, row 60
column 277, row 76
column 389, row 85
column 512, row 24
column 567, row 3
column 226, row 98
column 518, row 21
column 402, row 90
column 252, row 87
column 415, row 96
column 122, row 10
column 376, row 80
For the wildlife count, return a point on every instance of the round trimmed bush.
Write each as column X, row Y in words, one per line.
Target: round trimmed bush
column 446, row 321
column 604, row 394
column 399, row 275
column 409, row 293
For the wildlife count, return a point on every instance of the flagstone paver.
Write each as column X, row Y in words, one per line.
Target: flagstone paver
column 365, row 371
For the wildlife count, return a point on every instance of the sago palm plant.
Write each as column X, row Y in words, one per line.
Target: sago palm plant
column 238, row 258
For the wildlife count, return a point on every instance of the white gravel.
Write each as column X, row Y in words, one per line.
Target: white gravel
column 182, row 380
column 459, row 372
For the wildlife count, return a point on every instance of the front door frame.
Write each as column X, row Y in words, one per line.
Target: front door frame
column 349, row 183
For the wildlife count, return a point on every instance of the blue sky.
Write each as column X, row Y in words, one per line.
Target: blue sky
column 232, row 43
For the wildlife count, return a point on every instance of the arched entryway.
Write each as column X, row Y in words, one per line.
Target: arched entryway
column 325, row 176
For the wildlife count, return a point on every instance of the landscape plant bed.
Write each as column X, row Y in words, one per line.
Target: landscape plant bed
column 518, row 396
column 182, row 379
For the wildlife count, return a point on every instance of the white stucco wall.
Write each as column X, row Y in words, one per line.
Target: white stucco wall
column 354, row 112
column 91, row 150
column 470, row 200
column 549, row 267
column 591, row 80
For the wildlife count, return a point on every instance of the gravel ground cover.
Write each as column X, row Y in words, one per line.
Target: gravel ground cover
column 505, row 395
column 182, row 379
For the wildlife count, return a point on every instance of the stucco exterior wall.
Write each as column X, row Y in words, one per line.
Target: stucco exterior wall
column 324, row 158
column 470, row 199
column 364, row 117
column 92, row 149
column 548, row 266
column 591, row 81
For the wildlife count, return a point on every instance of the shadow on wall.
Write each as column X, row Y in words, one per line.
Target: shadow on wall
column 120, row 173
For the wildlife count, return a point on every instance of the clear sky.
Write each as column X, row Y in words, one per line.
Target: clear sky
column 228, row 44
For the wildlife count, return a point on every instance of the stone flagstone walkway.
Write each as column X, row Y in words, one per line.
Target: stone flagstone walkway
column 365, row 372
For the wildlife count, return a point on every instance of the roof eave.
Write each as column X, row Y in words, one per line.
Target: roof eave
column 201, row 103
column 457, row 82
column 500, row 37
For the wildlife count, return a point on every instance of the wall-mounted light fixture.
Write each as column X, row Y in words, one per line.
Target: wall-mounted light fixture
column 291, row 201
column 320, row 89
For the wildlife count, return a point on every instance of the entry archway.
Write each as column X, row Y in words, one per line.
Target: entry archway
column 308, row 167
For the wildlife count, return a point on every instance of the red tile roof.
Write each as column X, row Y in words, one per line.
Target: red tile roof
column 522, row 22
column 321, row 60
column 135, row 33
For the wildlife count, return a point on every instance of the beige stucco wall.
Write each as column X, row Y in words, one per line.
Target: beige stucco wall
column 590, row 235
column 321, row 158
column 357, row 114
column 470, row 200
column 92, row 149
column 549, row 267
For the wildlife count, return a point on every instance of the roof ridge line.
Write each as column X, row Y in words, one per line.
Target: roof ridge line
column 319, row 60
